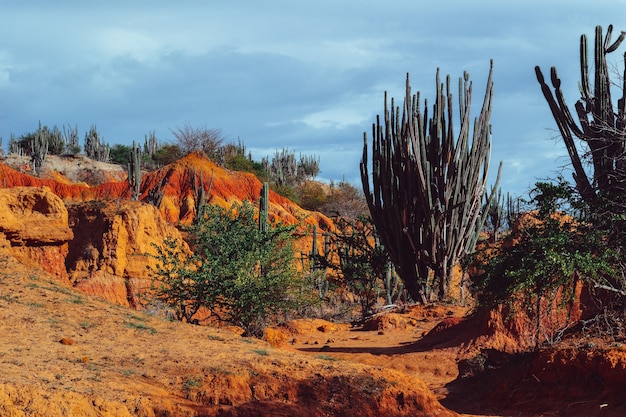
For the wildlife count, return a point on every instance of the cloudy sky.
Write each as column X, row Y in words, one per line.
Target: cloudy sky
column 307, row 75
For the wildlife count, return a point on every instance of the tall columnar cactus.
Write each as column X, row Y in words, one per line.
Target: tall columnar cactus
column 602, row 127
column 134, row 171
column 264, row 201
column 428, row 183
column 151, row 144
column 201, row 194
column 39, row 150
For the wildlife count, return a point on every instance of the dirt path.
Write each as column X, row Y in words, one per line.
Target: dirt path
column 392, row 342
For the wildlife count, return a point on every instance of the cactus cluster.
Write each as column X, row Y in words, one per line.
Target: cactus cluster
column 285, row 170
column 151, row 144
column 427, row 184
column 94, row 147
column 601, row 127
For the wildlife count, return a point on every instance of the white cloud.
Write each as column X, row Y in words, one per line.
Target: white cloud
column 115, row 42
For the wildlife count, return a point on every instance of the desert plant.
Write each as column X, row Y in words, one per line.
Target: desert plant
column 134, row 171
column 264, row 210
column 56, row 143
column 190, row 139
column 345, row 200
column 602, row 129
column 39, row 149
column 95, row 148
column 70, row 138
column 242, row 275
column 546, row 256
column 285, row 171
column 428, row 184
column 201, row 195
column 151, row 144
column 362, row 262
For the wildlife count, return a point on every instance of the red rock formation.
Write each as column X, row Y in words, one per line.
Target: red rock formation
column 104, row 252
column 34, row 222
column 110, row 254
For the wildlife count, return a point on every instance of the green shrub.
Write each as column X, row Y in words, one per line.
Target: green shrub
column 242, row 275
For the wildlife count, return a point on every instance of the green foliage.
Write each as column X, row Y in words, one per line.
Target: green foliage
column 167, row 154
column 242, row 275
column 286, row 191
column 552, row 251
column 119, row 154
column 312, row 195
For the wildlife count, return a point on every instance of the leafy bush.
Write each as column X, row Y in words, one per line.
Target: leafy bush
column 119, row 154
column 546, row 256
column 242, row 275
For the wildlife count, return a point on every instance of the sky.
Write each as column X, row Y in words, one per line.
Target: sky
column 309, row 76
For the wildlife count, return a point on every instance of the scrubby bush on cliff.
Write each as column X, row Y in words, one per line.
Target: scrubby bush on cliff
column 190, row 139
column 241, row 274
column 551, row 251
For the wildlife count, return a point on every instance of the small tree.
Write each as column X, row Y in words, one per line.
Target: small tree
column 203, row 139
column 118, row 154
column 242, row 275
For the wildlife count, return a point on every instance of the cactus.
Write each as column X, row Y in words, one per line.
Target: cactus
column 134, row 171
column 151, row 144
column 264, row 208
column 94, row 147
column 601, row 127
column 283, row 169
column 318, row 269
column 39, row 150
column 200, row 194
column 427, row 185
column 70, row 137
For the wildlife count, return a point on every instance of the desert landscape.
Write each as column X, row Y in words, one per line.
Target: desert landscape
column 76, row 339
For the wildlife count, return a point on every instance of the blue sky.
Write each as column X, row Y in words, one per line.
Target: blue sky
column 309, row 76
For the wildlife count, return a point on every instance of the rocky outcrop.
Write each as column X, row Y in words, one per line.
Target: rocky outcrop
column 100, row 245
column 111, row 252
column 34, row 226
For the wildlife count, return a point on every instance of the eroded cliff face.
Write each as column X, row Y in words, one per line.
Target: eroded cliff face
column 34, row 226
column 95, row 238
column 112, row 248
